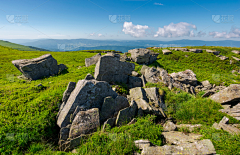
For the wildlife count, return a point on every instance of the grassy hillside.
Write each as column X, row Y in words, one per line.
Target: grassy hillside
column 20, row 47
column 28, row 113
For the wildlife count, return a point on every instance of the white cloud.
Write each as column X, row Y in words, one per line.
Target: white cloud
column 200, row 34
column 134, row 30
column 233, row 33
column 158, row 4
column 92, row 34
column 100, row 35
column 176, row 30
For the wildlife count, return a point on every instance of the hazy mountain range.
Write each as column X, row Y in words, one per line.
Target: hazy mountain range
column 124, row 46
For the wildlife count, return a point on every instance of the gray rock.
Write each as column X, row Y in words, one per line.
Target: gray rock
column 181, row 49
column 208, row 93
column 87, row 94
column 236, row 58
column 110, row 69
column 93, row 60
column 166, row 52
column 143, row 56
column 71, row 144
column 142, row 143
column 227, row 95
column 134, row 120
column 143, row 81
column 206, row 83
column 134, row 73
column 89, row 77
column 224, row 120
column 213, row 52
column 85, row 122
column 43, row 66
column 110, row 121
column 195, row 50
column 134, row 82
column 222, row 57
column 169, row 126
column 190, row 127
column 151, row 74
column 186, row 77
column 140, row 112
column 236, row 51
column 127, row 114
column 64, row 133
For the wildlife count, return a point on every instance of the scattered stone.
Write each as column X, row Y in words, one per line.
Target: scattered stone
column 227, row 95
column 181, row 49
column 110, row 69
column 213, row 52
column 169, row 126
column 43, row 66
column 236, row 58
column 134, row 73
column 233, row 111
column 166, row 52
column 236, row 52
column 142, row 143
column 186, row 77
column 224, row 120
column 143, row 56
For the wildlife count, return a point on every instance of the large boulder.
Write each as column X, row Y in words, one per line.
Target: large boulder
column 87, row 94
column 143, row 56
column 236, row 51
column 109, row 68
column 93, row 60
column 186, row 77
column 166, row 52
column 43, row 66
column 151, row 74
column 134, row 82
column 228, row 95
column 85, row 122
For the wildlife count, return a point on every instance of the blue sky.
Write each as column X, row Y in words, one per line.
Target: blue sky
column 120, row 19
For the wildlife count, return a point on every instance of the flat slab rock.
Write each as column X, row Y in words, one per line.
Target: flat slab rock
column 186, row 77
column 43, row 66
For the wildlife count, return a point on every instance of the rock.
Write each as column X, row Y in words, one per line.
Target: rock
column 134, row 82
column 230, row 129
column 195, row 50
column 85, row 122
column 93, row 60
column 134, row 120
column 190, row 127
column 71, row 144
column 87, row 94
column 142, row 143
column 192, row 90
column 66, row 94
column 186, row 77
column 169, row 126
column 181, row 49
column 110, row 69
column 143, row 81
column 110, row 121
column 206, row 83
column 166, row 52
column 228, row 95
column 208, row 93
column 176, row 138
column 236, row 52
column 224, row 120
column 143, row 56
column 111, row 106
column 43, row 66
column 124, row 58
column 222, row 57
column 200, row 147
column 213, row 52
column 236, row 58
column 89, row 77
column 216, row 126
column 140, row 112
column 64, row 133
column 134, row 73
column 154, row 96
column 126, row 115
column 151, row 74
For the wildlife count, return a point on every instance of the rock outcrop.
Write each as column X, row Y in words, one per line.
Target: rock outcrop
column 43, row 66
column 92, row 60
column 166, row 52
column 186, row 77
column 143, row 56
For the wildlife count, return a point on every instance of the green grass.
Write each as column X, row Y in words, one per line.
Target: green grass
column 19, row 47
column 28, row 114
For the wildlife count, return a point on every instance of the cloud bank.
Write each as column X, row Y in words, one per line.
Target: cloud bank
column 135, row 30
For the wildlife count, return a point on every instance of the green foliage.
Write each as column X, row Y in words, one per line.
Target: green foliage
column 19, row 47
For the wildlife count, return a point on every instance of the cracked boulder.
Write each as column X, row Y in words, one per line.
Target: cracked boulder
column 143, row 56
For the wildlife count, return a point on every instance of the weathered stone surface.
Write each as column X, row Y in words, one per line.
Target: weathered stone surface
column 93, row 60
column 190, row 127
column 143, row 56
column 224, row 120
column 169, row 126
column 216, row 126
column 166, row 52
column 236, row 52
column 236, row 58
column 186, row 77
column 89, row 77
column 110, row 69
column 87, row 94
column 134, row 120
column 71, row 144
column 213, row 52
column 181, row 49
column 142, row 143
column 222, row 57
column 195, row 50
column 43, row 66
column 110, row 121
column 64, row 133
column 111, row 106
column 134, row 82
column 143, row 80
column 227, row 95
column 208, row 93
column 176, row 138
column 154, row 96
column 151, row 74
column 206, row 83
column 230, row 129
column 134, row 73
column 85, row 122
column 127, row 114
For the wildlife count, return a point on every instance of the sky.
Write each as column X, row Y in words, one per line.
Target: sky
column 120, row 19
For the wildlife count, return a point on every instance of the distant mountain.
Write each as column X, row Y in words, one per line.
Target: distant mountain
column 20, row 47
column 89, row 44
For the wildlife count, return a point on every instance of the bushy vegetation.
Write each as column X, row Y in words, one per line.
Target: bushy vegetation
column 28, row 113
